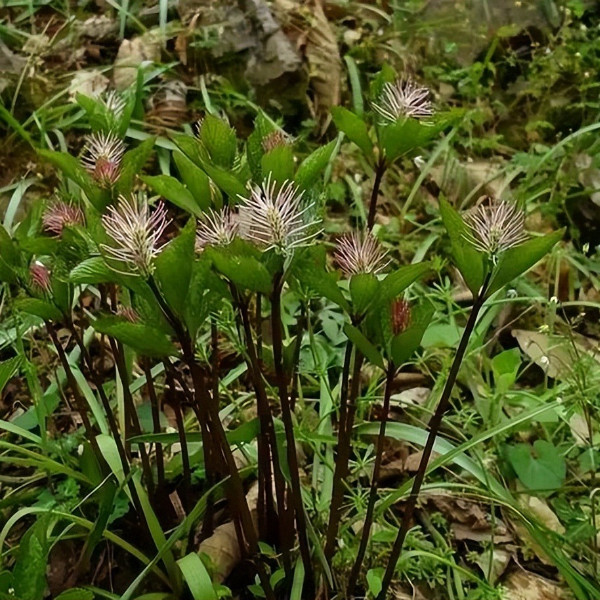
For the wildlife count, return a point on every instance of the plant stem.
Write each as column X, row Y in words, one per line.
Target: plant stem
column 301, row 326
column 237, row 496
column 364, row 541
column 185, row 456
column 342, row 460
column 136, row 429
column 155, row 405
column 434, row 427
column 267, row 442
column 288, row 423
column 380, row 170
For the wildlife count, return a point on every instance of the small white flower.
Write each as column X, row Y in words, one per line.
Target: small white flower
column 403, row 98
column 136, row 232
column 496, row 227
column 360, row 252
column 102, row 158
column 216, row 229
column 275, row 217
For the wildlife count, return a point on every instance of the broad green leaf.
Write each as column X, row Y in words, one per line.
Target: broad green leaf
column 314, row 165
column 309, row 269
column 375, row 581
column 406, row 343
column 92, row 270
column 516, row 261
column 132, row 164
column 39, row 308
column 195, row 179
column 364, row 345
column 364, row 289
column 29, row 572
column 505, row 367
column 197, row 578
column 540, row 467
column 354, row 127
column 243, row 271
column 226, row 181
column 145, row 340
column 279, row 163
column 192, row 148
column 8, row 368
column 468, row 260
column 174, row 191
column 174, row 267
column 9, row 257
column 395, row 283
column 71, row 168
column 405, row 135
column 205, row 293
column 220, row 141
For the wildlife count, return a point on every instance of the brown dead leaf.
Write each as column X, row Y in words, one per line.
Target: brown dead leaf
column 493, row 564
column 551, row 353
column 324, row 64
column 222, row 546
column 523, row 585
column 459, row 510
column 132, row 54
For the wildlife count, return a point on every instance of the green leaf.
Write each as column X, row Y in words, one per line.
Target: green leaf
column 245, row 272
column 145, row 340
column 132, row 164
column 354, row 127
column 195, row 179
column 395, row 283
column 220, row 141
column 468, row 260
column 405, row 135
column 197, row 578
column 91, row 271
column 39, row 308
column 174, row 191
column 505, row 367
column 71, row 168
column 226, row 181
column 174, row 267
column 29, row 572
column 314, row 165
column 279, row 162
column 192, row 148
column 9, row 257
column 540, row 467
column 364, row 345
column 76, row 594
column 8, row 368
column 309, row 269
column 516, row 261
column 406, row 343
column 375, row 581
column 364, row 289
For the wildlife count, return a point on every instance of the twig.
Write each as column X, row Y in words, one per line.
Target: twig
column 434, row 427
column 364, row 541
column 380, row 170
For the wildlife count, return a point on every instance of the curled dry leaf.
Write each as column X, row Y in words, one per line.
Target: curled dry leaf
column 222, row 546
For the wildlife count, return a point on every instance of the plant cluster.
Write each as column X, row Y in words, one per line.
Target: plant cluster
column 179, row 278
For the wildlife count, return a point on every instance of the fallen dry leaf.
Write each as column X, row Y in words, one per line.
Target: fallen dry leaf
column 493, row 564
column 222, row 546
column 132, row 54
column 324, row 64
column 555, row 354
column 523, row 585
